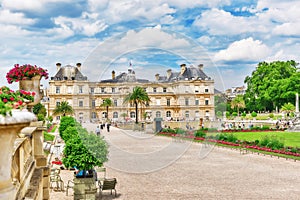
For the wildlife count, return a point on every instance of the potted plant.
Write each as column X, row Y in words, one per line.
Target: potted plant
column 29, row 77
column 25, row 72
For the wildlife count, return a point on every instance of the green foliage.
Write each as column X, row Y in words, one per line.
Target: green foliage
column 69, row 132
column 40, row 117
column 106, row 104
column 271, row 115
column 48, row 136
column 219, row 114
column 244, row 114
column 50, row 119
column 288, row 107
column 238, row 103
column 271, row 142
column 85, row 151
column 200, row 133
column 253, row 114
column 272, row 84
column 39, row 109
column 168, row 130
column 234, row 114
column 63, row 109
column 179, row 131
column 227, row 114
column 227, row 137
column 138, row 96
column 65, row 122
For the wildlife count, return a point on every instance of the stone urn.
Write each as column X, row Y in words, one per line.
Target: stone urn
column 10, row 126
column 32, row 85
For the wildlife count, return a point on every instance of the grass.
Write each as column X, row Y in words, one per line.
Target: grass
column 48, row 136
column 291, row 139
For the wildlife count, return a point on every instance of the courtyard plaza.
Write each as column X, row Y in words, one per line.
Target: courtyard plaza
column 155, row 167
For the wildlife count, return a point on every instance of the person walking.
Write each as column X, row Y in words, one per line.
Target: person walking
column 108, row 126
column 98, row 131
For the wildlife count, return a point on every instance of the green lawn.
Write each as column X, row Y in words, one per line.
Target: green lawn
column 288, row 138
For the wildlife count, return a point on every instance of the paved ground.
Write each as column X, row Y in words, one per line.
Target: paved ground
column 148, row 167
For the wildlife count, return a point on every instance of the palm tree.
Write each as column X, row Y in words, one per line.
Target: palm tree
column 107, row 103
column 238, row 102
column 288, row 107
column 63, row 108
column 138, row 96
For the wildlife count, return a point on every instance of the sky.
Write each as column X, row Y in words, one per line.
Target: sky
column 228, row 37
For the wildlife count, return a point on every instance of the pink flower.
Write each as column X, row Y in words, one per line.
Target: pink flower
column 5, row 100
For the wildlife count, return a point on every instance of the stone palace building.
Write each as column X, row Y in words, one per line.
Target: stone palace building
column 184, row 95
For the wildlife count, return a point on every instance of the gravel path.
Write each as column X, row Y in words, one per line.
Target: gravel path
column 148, row 167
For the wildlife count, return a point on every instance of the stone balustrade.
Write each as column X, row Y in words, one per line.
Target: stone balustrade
column 30, row 173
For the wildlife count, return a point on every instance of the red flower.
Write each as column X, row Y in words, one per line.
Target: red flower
column 11, row 98
column 5, row 100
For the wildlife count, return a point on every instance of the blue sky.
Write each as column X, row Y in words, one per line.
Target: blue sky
column 229, row 37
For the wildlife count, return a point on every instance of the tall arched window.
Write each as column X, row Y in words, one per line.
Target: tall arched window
column 115, row 115
column 132, row 114
column 168, row 113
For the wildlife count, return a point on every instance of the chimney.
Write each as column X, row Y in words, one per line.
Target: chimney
column 156, row 77
column 78, row 66
column 58, row 65
column 113, row 75
column 200, row 66
column 169, row 73
column 183, row 68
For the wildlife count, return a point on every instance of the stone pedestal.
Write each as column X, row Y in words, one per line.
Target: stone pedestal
column 10, row 126
column 85, row 188
column 32, row 85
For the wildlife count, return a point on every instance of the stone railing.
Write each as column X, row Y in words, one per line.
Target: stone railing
column 29, row 170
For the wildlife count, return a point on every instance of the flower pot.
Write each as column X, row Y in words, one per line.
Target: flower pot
column 32, row 85
column 10, row 126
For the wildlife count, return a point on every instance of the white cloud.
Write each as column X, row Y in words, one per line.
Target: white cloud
column 7, row 17
column 193, row 3
column 220, row 22
column 244, row 50
column 87, row 24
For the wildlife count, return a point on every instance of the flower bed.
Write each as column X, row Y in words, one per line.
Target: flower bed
column 237, row 144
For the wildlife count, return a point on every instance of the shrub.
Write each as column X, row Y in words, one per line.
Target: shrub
column 200, row 133
column 219, row 114
column 65, row 122
column 227, row 114
column 272, row 142
column 234, row 114
column 254, row 114
column 244, row 114
column 179, row 131
column 168, row 130
column 271, row 115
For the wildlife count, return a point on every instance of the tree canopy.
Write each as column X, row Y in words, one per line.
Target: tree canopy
column 271, row 85
column 138, row 96
column 64, row 109
column 83, row 150
column 106, row 104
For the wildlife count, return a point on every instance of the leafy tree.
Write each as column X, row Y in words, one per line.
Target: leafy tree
column 66, row 122
column 85, row 151
column 40, row 111
column 107, row 103
column 63, row 108
column 238, row 102
column 138, row 96
column 271, row 85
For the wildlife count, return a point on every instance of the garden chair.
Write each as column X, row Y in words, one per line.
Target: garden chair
column 108, row 184
column 70, row 184
column 101, row 174
column 57, row 181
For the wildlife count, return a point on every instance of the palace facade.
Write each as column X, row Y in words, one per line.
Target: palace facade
column 184, row 95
